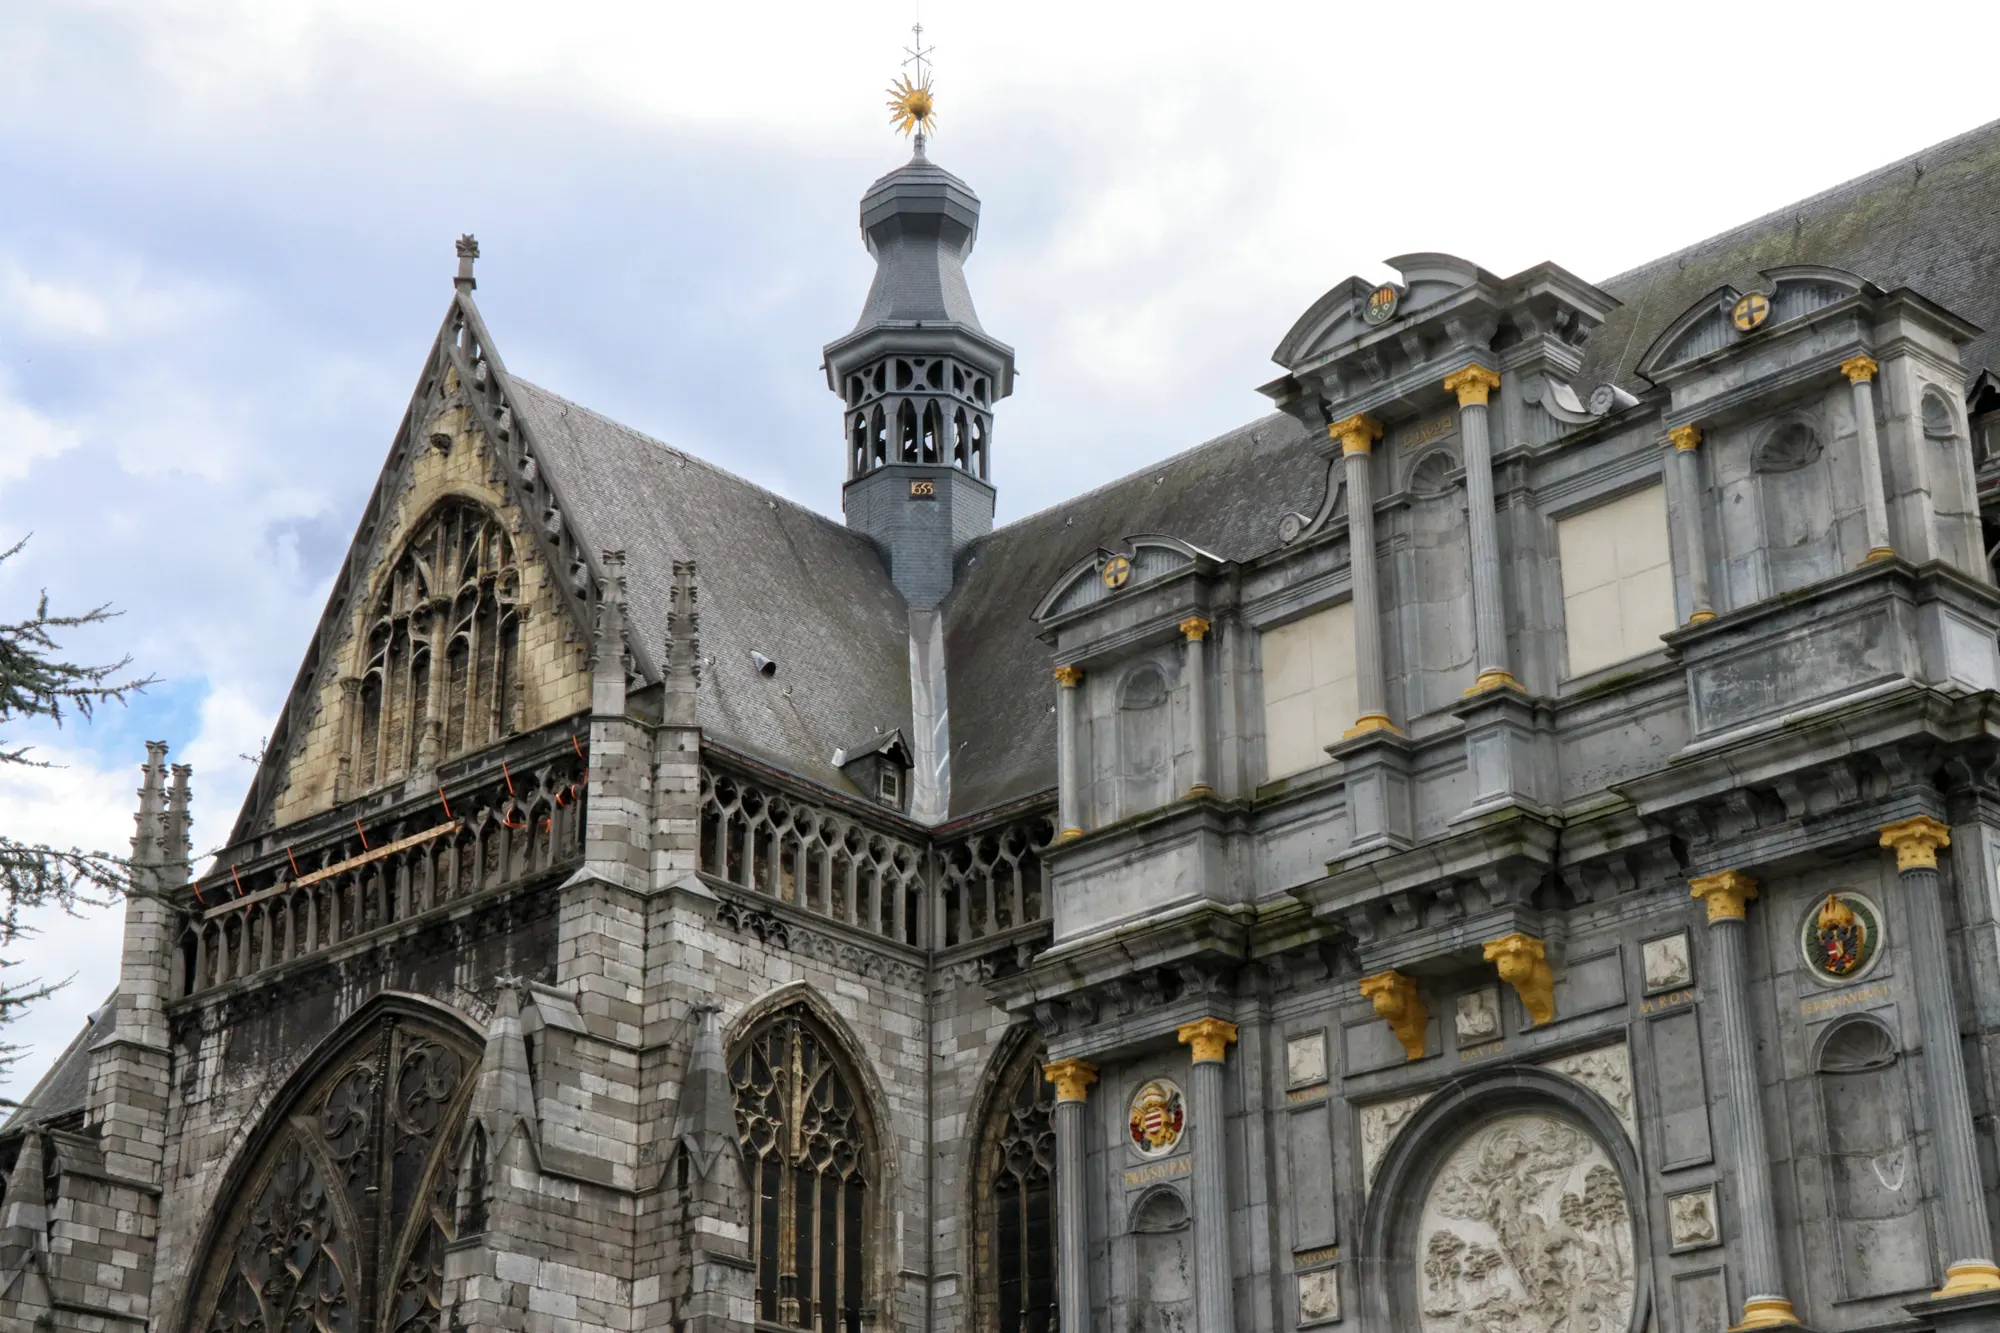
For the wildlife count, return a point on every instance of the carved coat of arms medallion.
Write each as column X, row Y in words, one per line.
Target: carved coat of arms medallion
column 1158, row 1117
column 1841, row 936
column 1526, row 1228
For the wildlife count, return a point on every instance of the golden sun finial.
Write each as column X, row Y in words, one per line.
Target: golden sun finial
column 912, row 110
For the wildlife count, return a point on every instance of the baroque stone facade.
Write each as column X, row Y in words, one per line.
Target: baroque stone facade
column 1507, row 841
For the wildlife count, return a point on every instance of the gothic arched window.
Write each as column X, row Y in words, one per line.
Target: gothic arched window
column 1014, row 1201
column 342, row 1218
column 809, row 1166
column 441, row 670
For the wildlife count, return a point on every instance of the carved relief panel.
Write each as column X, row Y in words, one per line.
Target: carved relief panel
column 1526, row 1227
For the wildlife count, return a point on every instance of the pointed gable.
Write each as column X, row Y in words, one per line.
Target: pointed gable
column 463, row 555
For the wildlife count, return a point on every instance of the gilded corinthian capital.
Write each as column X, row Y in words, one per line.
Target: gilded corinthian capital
column 1472, row 385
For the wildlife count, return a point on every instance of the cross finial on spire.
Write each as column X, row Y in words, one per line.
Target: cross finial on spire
column 468, row 250
column 911, row 108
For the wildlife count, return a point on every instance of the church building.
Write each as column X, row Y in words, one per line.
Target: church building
column 1506, row 842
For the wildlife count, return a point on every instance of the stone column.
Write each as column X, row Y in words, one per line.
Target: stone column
column 1069, row 773
column 1489, row 617
column 1214, row 1304
column 1686, row 441
column 1072, row 1079
column 1762, row 1276
column 1969, row 1265
column 1860, row 372
column 1357, row 435
column 1194, row 629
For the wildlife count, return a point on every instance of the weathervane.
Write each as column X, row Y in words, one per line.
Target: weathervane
column 911, row 108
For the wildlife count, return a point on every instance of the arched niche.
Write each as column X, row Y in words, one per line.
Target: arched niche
column 358, row 1146
column 1795, row 494
column 1874, row 1192
column 1516, row 1169
column 1159, row 1230
column 1145, row 739
column 794, row 1064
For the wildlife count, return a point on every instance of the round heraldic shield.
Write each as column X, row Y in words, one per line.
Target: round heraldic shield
column 1158, row 1116
column 1382, row 303
column 1841, row 936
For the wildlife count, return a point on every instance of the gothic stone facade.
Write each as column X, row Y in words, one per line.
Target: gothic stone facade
column 1510, row 841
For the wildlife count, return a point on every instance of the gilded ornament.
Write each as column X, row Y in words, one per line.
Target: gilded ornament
column 1967, row 1278
column 1472, row 385
column 1916, row 841
column 1157, row 1118
column 1398, row 1004
column 1071, row 1077
column 1766, row 1312
column 1725, row 892
column 1522, row 961
column 1685, row 438
column 1194, row 628
column 1750, row 312
column 1116, row 572
column 1382, row 303
column 1368, row 722
column 1208, row 1038
column 1859, row 369
column 912, row 109
column 1069, row 677
column 1841, row 937
column 1357, row 434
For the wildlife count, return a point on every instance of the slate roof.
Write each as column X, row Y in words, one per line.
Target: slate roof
column 1225, row 496
column 774, row 577
column 1930, row 222
column 64, row 1089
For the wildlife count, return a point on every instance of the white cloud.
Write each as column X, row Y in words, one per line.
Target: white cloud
column 226, row 246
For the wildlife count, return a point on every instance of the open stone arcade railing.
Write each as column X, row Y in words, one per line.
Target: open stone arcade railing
column 502, row 825
column 508, row 821
column 879, row 875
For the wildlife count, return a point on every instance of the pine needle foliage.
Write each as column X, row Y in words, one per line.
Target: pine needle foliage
column 38, row 684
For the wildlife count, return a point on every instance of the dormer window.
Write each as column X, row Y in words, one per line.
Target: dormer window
column 879, row 770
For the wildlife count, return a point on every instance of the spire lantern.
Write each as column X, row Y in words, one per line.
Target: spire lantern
column 918, row 375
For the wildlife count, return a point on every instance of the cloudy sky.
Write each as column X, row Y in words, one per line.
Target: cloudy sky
column 226, row 242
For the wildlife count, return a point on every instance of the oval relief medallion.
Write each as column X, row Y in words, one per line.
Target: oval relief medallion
column 1157, row 1118
column 1526, row 1228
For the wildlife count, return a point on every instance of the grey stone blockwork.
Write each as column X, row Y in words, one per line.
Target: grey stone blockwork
column 1514, row 957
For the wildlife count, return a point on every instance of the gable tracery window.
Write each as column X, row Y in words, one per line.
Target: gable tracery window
column 342, row 1220
column 809, row 1165
column 1014, row 1201
column 441, row 673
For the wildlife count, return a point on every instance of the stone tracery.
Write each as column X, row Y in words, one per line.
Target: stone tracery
column 364, row 1151
column 809, row 1162
column 441, row 672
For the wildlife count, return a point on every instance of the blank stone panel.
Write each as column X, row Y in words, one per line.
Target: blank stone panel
column 1309, row 698
column 1617, row 579
column 1701, row 1302
column 1682, row 1084
column 1310, row 1131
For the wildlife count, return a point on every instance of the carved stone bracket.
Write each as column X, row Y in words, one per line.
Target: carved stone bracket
column 1522, row 961
column 1398, row 1004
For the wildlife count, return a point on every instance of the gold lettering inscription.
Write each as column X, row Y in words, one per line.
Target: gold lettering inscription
column 1311, row 1094
column 1671, row 1000
column 1419, row 436
column 1167, row 1170
column 1826, row 1004
column 1481, row 1051
column 1325, row 1254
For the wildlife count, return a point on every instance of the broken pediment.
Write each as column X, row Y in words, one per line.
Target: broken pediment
column 1726, row 316
column 1106, row 573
